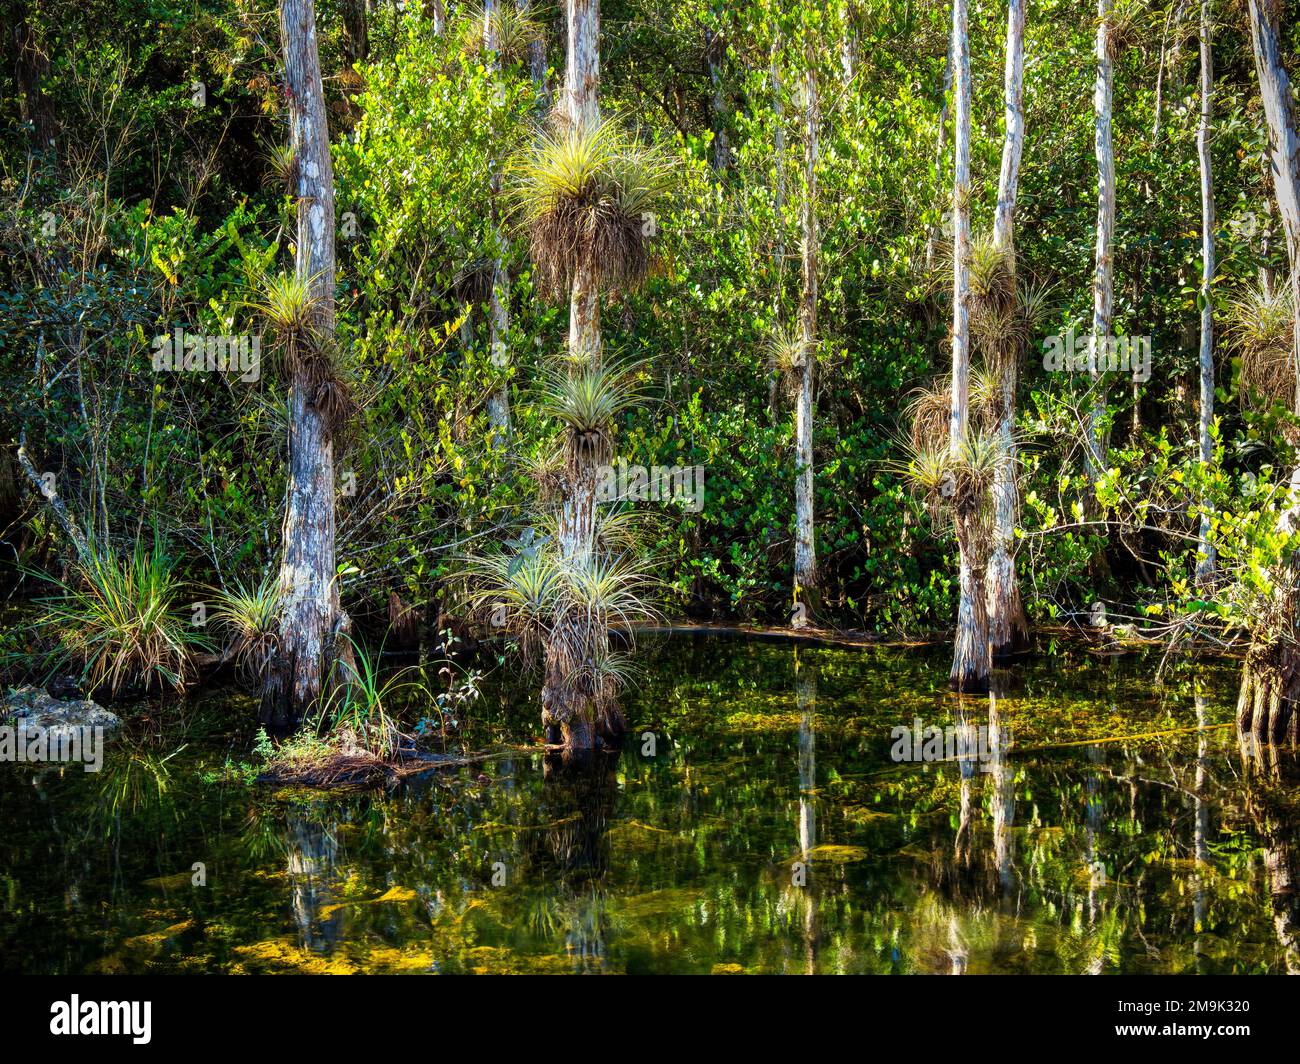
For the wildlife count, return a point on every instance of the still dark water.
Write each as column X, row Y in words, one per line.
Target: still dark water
column 756, row 822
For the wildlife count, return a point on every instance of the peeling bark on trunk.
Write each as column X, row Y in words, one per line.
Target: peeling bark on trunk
column 805, row 551
column 1270, row 678
column 1205, row 552
column 312, row 625
column 1008, row 626
column 970, row 661
column 580, row 101
column 1103, row 285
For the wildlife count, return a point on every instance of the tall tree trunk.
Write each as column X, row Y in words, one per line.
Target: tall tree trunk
column 805, row 551
column 778, row 203
column 1008, row 626
column 1284, row 141
column 1103, row 284
column 849, row 44
column 970, row 661
column 536, row 62
column 312, row 627
column 438, row 12
column 498, row 404
column 1270, row 678
column 31, row 66
column 939, row 150
column 356, row 31
column 714, row 51
column 572, row 712
column 580, row 104
column 1205, row 552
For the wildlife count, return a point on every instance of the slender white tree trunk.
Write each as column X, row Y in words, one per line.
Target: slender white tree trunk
column 536, row 62
column 569, row 700
column 498, row 405
column 1205, row 553
column 778, row 203
column 970, row 661
column 1270, row 679
column 312, row 622
column 805, row 551
column 581, row 102
column 939, row 150
column 1103, row 284
column 1283, row 140
column 1008, row 628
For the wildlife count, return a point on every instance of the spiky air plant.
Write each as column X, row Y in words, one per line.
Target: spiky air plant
column 785, row 354
column 1258, row 326
column 600, row 594
column 957, row 485
column 587, row 197
column 587, row 399
column 546, row 470
column 991, row 271
column 248, row 617
column 281, row 167
column 1130, row 22
column 568, row 606
column 513, row 30
column 930, row 409
column 287, row 304
column 516, row 594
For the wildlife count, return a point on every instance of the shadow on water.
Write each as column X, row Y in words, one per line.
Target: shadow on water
column 760, row 819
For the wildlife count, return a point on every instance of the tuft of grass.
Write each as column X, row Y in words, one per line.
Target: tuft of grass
column 358, row 707
column 116, row 616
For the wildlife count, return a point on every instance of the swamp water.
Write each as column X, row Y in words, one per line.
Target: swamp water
column 755, row 822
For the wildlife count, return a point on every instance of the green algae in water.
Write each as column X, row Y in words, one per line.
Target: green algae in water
column 770, row 832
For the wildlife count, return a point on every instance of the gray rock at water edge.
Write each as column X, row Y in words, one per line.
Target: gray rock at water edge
column 30, row 708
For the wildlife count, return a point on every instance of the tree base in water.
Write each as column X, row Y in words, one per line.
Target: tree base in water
column 1270, row 685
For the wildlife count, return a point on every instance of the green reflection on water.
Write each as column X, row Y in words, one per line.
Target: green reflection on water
column 770, row 831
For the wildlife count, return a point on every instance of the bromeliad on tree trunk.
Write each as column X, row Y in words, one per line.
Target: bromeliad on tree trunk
column 587, row 195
